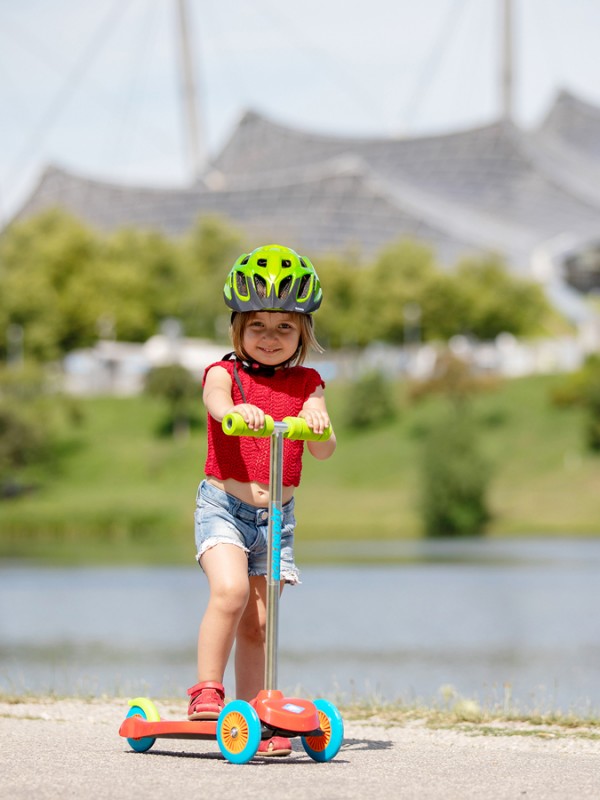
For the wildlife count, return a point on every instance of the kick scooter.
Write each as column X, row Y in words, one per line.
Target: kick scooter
column 241, row 725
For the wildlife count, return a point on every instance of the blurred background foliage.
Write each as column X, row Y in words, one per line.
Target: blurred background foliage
column 456, row 454
column 66, row 284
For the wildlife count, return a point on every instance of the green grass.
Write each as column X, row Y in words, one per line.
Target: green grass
column 119, row 493
column 468, row 717
column 462, row 716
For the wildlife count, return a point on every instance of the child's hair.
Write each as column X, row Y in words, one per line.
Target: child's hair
column 308, row 340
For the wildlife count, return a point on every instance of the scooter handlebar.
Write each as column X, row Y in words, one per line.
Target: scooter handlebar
column 234, row 425
column 296, row 428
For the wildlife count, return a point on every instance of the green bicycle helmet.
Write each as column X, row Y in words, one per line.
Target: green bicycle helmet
column 273, row 278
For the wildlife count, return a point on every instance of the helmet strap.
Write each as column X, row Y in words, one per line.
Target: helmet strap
column 253, row 367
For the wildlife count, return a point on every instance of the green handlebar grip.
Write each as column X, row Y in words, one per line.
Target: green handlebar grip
column 235, row 425
column 298, row 429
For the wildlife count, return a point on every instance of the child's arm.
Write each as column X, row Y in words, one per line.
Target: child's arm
column 314, row 411
column 219, row 402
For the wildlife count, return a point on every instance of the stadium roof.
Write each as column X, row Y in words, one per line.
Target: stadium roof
column 492, row 188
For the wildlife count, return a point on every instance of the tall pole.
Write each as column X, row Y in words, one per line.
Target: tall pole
column 195, row 147
column 507, row 60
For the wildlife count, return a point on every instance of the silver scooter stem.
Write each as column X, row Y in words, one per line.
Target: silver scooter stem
column 274, row 554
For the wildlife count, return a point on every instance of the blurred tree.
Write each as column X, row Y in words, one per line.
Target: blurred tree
column 208, row 253
column 480, row 297
column 444, row 306
column 61, row 281
column 341, row 323
column 138, row 281
column 400, row 276
column 495, row 301
column 43, row 266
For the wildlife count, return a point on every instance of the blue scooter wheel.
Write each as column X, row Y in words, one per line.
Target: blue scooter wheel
column 142, row 707
column 238, row 732
column 327, row 746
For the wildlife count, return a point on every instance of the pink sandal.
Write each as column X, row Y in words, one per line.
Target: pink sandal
column 207, row 700
column 275, row 746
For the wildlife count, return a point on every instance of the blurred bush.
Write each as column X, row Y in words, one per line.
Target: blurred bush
column 370, row 402
column 582, row 388
column 179, row 389
column 33, row 424
column 454, row 478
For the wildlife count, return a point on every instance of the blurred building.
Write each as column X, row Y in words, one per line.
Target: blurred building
column 120, row 368
column 531, row 196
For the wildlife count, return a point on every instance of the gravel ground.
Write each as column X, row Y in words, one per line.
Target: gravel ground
column 71, row 749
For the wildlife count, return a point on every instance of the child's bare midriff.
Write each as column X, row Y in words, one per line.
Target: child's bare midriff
column 256, row 494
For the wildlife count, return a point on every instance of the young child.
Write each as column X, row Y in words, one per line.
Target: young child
column 272, row 293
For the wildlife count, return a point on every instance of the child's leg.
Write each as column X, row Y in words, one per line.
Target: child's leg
column 226, row 567
column 250, row 642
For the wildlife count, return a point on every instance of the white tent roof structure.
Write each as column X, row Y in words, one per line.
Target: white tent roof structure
column 523, row 194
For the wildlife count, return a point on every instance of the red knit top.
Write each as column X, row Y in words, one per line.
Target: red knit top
column 245, row 458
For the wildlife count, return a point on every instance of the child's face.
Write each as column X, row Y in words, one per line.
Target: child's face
column 271, row 337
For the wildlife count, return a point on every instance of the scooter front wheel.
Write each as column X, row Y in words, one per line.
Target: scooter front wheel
column 327, row 746
column 238, row 732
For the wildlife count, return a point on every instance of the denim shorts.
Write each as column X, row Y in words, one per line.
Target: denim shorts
column 222, row 518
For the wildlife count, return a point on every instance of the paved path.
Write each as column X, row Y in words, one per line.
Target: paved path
column 71, row 749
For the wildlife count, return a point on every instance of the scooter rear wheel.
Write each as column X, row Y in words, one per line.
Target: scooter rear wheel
column 145, row 708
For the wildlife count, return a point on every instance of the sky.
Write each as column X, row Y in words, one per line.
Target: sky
column 95, row 87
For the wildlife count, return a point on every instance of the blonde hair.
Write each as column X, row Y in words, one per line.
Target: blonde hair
column 308, row 340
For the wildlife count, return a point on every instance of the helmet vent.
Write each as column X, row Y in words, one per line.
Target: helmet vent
column 262, row 262
column 286, row 263
column 245, row 260
column 241, row 284
column 305, row 283
column 284, row 287
column 261, row 286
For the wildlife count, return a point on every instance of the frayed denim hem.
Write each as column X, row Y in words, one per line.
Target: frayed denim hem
column 289, row 576
column 213, row 542
column 292, row 578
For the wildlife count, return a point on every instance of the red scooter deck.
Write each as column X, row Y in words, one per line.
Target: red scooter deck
column 138, row 728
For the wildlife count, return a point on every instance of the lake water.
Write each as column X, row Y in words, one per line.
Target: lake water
column 491, row 619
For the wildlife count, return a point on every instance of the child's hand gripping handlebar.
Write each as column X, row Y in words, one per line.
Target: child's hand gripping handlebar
column 292, row 428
